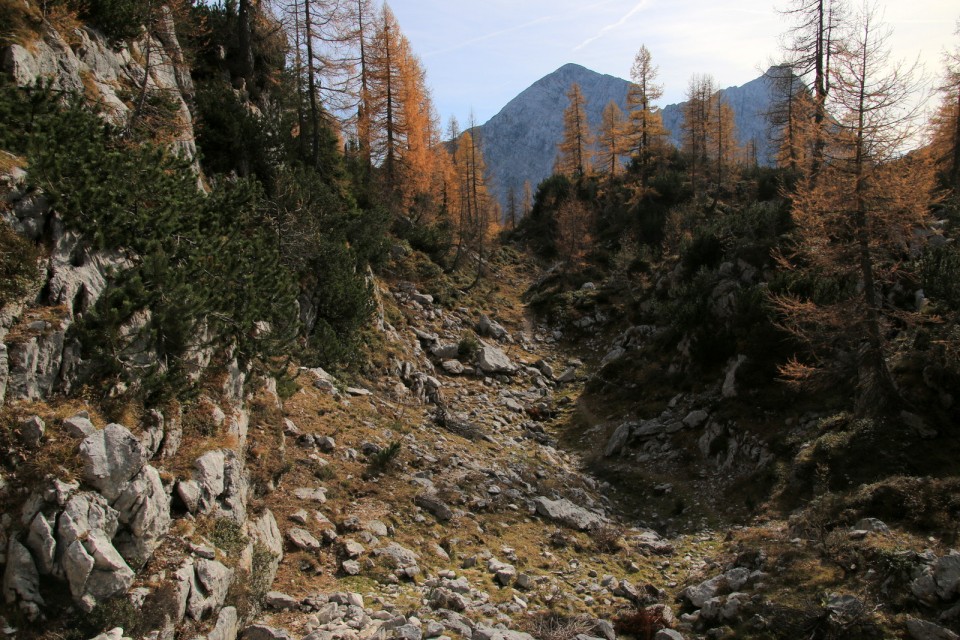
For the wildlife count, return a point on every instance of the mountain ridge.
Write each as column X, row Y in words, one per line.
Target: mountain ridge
column 520, row 141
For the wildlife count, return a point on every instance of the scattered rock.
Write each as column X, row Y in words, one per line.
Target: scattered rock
column 264, row 632
column 31, row 431
column 303, row 539
column 695, row 418
column 618, row 440
column 453, row 367
column 434, row 505
column 568, row 514
column 318, row 495
column 923, row 630
column 209, row 588
column 280, row 601
column 491, row 359
column 488, row 328
column 79, row 426
column 352, row 549
column 227, row 625
column 21, row 581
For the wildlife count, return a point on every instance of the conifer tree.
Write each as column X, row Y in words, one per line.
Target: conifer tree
column 721, row 139
column 812, row 46
column 646, row 123
column 573, row 158
column 696, row 124
column 946, row 124
column 791, row 118
column 854, row 219
column 527, row 199
column 612, row 140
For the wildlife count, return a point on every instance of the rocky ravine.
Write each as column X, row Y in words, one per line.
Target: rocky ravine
column 428, row 500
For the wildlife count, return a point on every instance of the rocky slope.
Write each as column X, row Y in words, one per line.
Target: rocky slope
column 520, row 142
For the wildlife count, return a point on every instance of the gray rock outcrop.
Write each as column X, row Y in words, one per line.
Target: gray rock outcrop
column 568, row 514
column 492, row 359
column 21, row 580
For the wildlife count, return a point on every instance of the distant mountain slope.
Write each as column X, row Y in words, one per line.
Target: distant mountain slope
column 520, row 142
column 750, row 103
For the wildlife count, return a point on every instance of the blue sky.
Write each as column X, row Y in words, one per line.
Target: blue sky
column 480, row 54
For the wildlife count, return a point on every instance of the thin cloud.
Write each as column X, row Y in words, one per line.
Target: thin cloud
column 491, row 35
column 519, row 27
column 616, row 25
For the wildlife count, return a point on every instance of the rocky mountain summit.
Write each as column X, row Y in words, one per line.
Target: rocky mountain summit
column 520, row 142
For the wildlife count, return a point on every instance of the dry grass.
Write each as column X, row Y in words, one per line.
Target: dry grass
column 554, row 626
column 20, row 22
column 9, row 162
column 22, row 331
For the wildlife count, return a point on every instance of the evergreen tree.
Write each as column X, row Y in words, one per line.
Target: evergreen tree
column 573, row 158
column 853, row 220
column 612, row 141
column 646, row 122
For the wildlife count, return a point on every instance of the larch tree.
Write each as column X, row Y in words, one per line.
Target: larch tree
column 512, row 213
column 420, row 128
column 946, row 122
column 527, row 199
column 573, row 158
column 646, row 122
column 403, row 127
column 791, row 119
column 854, row 223
column 722, row 146
column 364, row 18
column 612, row 140
column 385, row 87
column 475, row 216
column 572, row 231
column 321, row 33
column 812, row 46
column 696, row 125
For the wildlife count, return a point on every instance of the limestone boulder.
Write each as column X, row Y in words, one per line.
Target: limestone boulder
column 21, row 580
column 208, row 589
column 265, row 532
column 492, row 360
column 143, row 508
column 111, row 458
column 568, row 514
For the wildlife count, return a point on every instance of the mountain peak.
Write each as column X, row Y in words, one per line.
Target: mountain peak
column 520, row 142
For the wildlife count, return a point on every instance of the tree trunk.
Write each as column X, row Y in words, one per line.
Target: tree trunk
column 876, row 389
column 312, row 88
column 244, row 41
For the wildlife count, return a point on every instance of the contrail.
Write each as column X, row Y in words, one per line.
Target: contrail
column 619, row 23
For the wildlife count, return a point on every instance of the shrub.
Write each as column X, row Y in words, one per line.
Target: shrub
column 703, row 252
column 18, row 265
column 642, row 624
column 940, row 275
column 117, row 19
column 468, row 346
column 555, row 626
column 606, row 538
column 382, row 460
column 227, row 535
column 207, row 263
